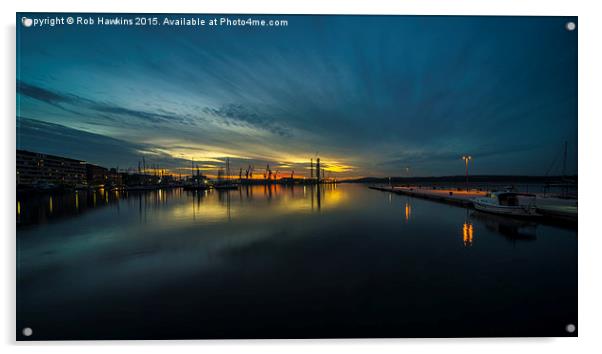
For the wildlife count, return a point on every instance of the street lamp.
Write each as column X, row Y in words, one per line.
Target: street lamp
column 466, row 158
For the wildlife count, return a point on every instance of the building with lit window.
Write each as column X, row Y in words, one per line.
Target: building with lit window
column 96, row 176
column 35, row 169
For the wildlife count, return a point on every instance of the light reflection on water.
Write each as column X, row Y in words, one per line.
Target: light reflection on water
column 340, row 260
column 204, row 206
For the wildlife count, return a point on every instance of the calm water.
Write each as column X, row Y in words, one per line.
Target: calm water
column 285, row 262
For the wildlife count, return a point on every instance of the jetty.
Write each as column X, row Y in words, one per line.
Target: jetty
column 550, row 208
column 447, row 195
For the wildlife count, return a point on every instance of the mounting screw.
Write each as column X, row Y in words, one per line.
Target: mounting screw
column 570, row 328
column 570, row 26
column 27, row 22
column 27, row 331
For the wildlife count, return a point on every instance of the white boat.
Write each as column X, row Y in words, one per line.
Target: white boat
column 565, row 212
column 507, row 203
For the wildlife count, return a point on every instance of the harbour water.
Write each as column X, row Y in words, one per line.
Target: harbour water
column 285, row 262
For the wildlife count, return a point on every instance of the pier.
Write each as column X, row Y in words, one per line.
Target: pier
column 451, row 196
column 552, row 209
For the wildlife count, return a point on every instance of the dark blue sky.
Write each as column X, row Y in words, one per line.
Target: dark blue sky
column 370, row 95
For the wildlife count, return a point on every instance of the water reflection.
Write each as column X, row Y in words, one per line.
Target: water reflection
column 325, row 258
column 42, row 208
column 467, row 234
column 467, row 230
column 208, row 205
column 512, row 229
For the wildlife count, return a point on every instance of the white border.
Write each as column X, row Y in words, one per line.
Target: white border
column 590, row 237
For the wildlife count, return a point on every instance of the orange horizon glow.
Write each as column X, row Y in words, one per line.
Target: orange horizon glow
column 210, row 171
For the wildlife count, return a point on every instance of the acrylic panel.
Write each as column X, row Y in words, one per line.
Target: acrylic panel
column 207, row 176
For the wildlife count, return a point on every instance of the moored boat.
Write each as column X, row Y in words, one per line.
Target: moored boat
column 564, row 212
column 225, row 185
column 140, row 188
column 196, row 187
column 508, row 203
column 224, row 180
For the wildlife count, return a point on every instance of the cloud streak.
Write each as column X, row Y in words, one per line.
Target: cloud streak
column 369, row 94
column 237, row 115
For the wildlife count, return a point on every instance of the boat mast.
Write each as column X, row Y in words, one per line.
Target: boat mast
column 227, row 168
column 564, row 160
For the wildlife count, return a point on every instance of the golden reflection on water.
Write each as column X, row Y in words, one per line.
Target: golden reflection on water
column 467, row 234
column 265, row 201
column 168, row 205
column 408, row 212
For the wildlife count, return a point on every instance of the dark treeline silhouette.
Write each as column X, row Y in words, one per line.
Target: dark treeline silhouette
column 472, row 179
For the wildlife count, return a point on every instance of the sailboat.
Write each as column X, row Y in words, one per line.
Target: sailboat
column 225, row 182
column 565, row 184
column 197, row 182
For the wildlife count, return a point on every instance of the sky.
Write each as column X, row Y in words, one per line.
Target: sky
column 368, row 95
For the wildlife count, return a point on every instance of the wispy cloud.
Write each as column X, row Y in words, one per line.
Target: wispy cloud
column 238, row 115
column 230, row 115
column 49, row 138
column 71, row 102
column 370, row 94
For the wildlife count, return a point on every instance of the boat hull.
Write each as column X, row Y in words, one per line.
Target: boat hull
column 505, row 210
column 561, row 212
column 196, row 188
column 225, row 187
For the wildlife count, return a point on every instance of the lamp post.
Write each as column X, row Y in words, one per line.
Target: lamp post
column 466, row 158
